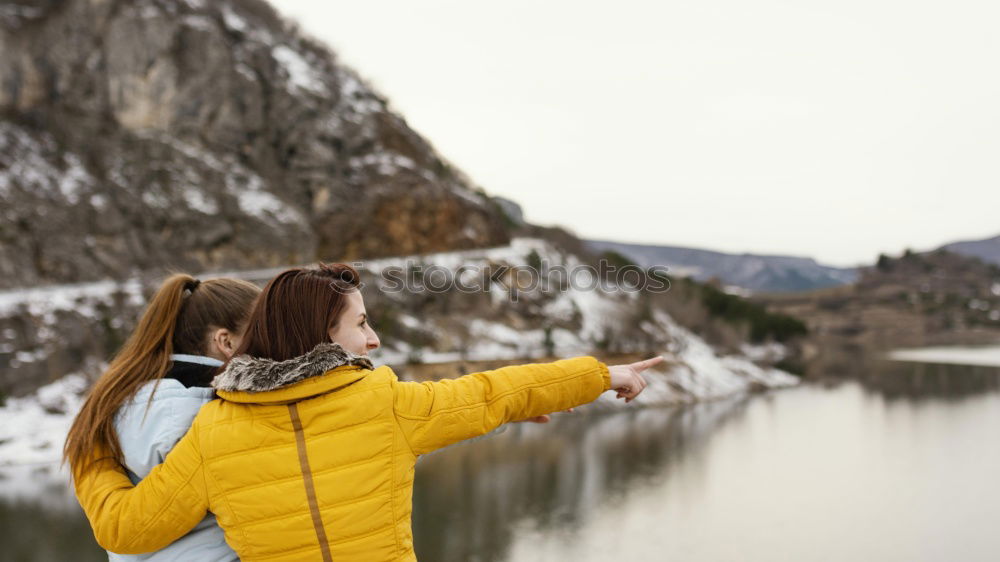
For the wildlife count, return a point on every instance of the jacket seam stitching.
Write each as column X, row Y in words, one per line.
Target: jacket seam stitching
column 392, row 484
column 399, row 426
column 342, row 391
column 327, row 507
column 283, row 413
column 299, row 476
column 225, row 498
column 308, row 481
column 286, row 552
column 280, row 445
column 232, row 513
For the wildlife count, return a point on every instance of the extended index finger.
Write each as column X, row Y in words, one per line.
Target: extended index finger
column 647, row 363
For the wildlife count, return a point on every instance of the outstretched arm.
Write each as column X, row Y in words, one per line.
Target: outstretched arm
column 436, row 414
column 164, row 506
column 626, row 380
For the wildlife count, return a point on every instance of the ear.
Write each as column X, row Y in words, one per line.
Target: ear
column 223, row 343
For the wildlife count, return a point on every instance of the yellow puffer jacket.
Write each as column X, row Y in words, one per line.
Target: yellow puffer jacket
column 321, row 467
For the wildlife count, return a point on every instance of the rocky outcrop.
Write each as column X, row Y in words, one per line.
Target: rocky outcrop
column 914, row 300
column 145, row 135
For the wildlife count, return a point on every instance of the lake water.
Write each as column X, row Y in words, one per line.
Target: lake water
column 899, row 466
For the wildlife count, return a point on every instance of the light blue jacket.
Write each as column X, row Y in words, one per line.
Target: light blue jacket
column 147, row 437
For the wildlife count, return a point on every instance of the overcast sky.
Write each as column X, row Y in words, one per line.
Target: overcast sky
column 836, row 130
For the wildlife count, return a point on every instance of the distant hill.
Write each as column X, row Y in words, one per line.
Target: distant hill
column 757, row 273
column 913, row 300
column 987, row 250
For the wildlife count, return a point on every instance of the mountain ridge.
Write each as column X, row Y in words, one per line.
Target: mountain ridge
column 754, row 272
column 986, row 249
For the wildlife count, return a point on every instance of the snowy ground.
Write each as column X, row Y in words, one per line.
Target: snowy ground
column 984, row 356
column 31, row 437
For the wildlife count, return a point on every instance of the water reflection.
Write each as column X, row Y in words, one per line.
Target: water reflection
column 40, row 519
column 896, row 380
column 34, row 532
column 470, row 498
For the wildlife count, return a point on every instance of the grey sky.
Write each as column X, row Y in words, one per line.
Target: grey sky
column 831, row 129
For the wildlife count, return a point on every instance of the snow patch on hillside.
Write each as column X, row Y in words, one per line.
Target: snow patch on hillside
column 35, row 426
column 300, row 73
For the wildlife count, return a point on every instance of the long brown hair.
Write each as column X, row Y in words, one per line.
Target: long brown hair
column 177, row 320
column 296, row 311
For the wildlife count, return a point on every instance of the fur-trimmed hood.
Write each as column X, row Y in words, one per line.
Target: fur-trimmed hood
column 251, row 374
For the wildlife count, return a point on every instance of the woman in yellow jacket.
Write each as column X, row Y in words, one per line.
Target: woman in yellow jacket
column 310, row 453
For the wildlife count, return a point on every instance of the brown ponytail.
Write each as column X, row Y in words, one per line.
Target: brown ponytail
column 177, row 320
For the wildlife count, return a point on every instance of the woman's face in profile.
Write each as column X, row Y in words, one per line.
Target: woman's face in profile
column 352, row 330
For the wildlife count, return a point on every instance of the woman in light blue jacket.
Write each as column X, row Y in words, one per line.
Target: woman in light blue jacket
column 146, row 400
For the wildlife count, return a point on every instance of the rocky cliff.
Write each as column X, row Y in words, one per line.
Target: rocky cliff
column 147, row 135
